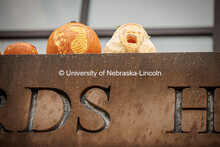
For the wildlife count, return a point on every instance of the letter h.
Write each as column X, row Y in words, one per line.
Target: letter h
column 209, row 109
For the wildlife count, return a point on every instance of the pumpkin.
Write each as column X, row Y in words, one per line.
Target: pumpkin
column 0, row 53
column 73, row 38
column 20, row 48
column 130, row 38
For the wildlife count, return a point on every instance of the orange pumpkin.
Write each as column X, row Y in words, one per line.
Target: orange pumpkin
column 20, row 48
column 73, row 38
column 0, row 53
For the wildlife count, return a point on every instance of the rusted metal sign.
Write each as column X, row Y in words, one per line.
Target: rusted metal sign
column 166, row 99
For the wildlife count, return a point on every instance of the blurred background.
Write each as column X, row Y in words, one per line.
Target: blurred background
column 174, row 25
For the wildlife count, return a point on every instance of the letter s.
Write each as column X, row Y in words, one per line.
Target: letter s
column 97, row 110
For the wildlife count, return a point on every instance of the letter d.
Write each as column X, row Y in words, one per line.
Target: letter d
column 67, row 109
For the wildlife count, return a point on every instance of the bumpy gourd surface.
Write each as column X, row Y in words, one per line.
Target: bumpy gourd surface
column 130, row 38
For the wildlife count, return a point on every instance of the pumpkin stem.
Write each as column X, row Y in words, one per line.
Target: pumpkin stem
column 73, row 21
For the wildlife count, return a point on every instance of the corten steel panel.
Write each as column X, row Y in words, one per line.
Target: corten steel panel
column 141, row 109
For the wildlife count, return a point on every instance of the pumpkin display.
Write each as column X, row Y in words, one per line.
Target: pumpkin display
column 130, row 38
column 73, row 38
column 20, row 48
